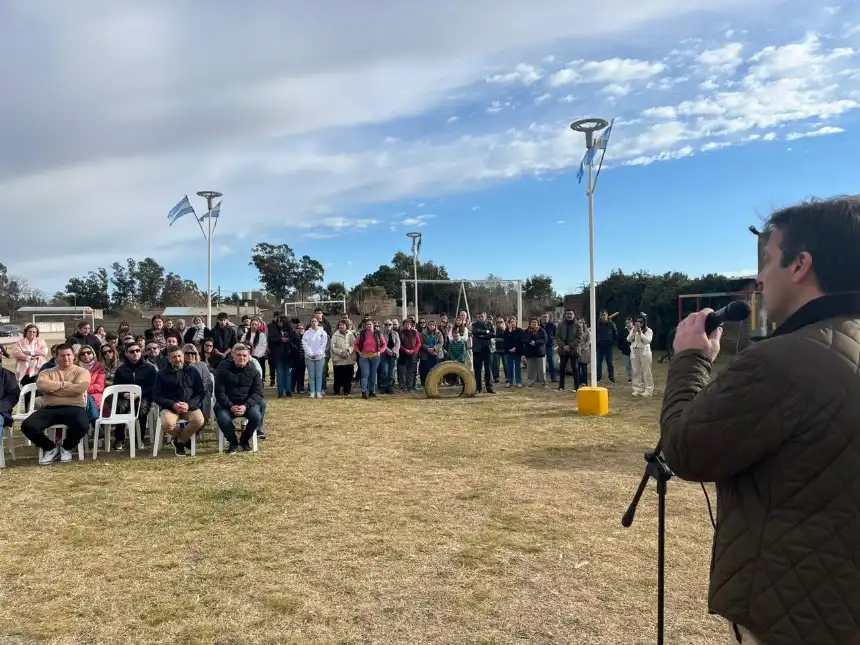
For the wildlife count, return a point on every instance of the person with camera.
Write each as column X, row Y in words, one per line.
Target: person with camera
column 640, row 337
column 778, row 431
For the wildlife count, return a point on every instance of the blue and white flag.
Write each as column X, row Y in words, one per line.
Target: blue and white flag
column 599, row 144
column 214, row 213
column 182, row 208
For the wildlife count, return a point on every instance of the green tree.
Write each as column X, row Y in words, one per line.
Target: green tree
column 124, row 284
column 277, row 266
column 150, row 281
column 308, row 278
column 89, row 291
column 335, row 291
column 177, row 292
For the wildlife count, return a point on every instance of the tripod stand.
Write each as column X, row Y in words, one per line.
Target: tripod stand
column 656, row 468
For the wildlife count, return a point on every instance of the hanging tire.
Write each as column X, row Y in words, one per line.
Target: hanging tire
column 454, row 368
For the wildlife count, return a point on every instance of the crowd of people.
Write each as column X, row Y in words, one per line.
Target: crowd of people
column 194, row 376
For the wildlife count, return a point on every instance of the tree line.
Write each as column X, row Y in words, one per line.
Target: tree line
column 657, row 296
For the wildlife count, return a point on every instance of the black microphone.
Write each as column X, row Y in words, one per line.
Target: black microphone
column 734, row 311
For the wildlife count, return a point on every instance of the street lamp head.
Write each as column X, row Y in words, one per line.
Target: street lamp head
column 210, row 194
column 589, row 127
column 754, row 230
column 413, row 236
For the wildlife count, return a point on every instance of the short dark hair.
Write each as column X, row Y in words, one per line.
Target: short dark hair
column 111, row 335
column 223, row 316
column 81, row 324
column 62, row 347
column 156, row 317
column 175, row 349
column 829, row 231
column 318, row 310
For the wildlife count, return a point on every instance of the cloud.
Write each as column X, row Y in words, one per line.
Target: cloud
column 290, row 117
column 614, row 70
column 452, row 119
column 828, row 129
column 525, row 74
column 722, row 60
column 561, row 221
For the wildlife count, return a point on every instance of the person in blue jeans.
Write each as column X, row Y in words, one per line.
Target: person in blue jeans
column 388, row 358
column 238, row 393
column 498, row 357
column 314, row 343
column 606, row 337
column 280, row 354
column 369, row 346
column 549, row 327
column 432, row 350
column 513, row 348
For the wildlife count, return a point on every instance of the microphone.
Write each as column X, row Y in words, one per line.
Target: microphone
column 734, row 311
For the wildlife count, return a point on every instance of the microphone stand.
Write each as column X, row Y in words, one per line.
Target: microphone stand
column 656, row 468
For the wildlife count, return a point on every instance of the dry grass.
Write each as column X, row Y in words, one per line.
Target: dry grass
column 396, row 520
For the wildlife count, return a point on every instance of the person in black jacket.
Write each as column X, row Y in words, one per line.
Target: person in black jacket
column 550, row 328
column 83, row 336
column 606, row 337
column 224, row 335
column 568, row 337
column 133, row 371
column 280, row 354
column 534, row 348
column 179, row 393
column 624, row 346
column 10, row 392
column 482, row 336
column 238, row 393
column 197, row 332
column 513, row 353
column 273, row 369
column 297, row 356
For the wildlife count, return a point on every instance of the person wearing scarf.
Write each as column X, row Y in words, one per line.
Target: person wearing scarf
column 87, row 359
column 197, row 332
column 255, row 339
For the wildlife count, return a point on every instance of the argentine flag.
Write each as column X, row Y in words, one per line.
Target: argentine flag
column 215, row 212
column 182, row 208
column 599, row 144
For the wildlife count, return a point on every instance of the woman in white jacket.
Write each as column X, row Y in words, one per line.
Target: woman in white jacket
column 640, row 356
column 257, row 342
column 314, row 342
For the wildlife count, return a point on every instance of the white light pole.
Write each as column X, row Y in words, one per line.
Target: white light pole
column 210, row 196
column 589, row 127
column 416, row 246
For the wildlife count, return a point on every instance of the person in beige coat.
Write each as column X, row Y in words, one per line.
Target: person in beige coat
column 343, row 356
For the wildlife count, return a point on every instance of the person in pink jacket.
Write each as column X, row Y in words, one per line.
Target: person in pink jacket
column 98, row 374
column 30, row 353
column 369, row 346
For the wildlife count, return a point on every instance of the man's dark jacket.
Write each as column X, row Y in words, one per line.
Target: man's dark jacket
column 779, row 432
column 607, row 333
column 176, row 386
column 236, row 385
column 10, row 392
column 224, row 337
column 482, row 334
column 141, row 373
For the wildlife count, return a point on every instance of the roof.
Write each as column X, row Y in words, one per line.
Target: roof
column 56, row 310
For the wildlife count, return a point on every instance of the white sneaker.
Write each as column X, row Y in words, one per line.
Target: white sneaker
column 50, row 456
column 65, row 455
column 319, row 395
column 635, row 393
column 313, row 395
column 647, row 394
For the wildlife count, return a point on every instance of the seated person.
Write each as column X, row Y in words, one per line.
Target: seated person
column 154, row 356
column 264, row 406
column 179, row 393
column 64, row 401
column 10, row 392
column 238, row 393
column 134, row 371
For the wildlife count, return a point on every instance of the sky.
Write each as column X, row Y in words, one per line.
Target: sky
column 339, row 126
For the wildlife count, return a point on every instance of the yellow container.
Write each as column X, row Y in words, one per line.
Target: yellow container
column 593, row 401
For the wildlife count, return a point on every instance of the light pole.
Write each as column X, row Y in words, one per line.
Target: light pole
column 416, row 246
column 589, row 127
column 210, row 196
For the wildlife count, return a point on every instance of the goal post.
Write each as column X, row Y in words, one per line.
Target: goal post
column 516, row 286
column 314, row 304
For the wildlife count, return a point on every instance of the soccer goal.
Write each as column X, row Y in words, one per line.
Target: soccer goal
column 496, row 297
column 310, row 304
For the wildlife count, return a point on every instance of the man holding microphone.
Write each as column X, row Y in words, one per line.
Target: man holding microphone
column 778, row 431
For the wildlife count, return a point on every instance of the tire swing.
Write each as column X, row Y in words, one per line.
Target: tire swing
column 443, row 369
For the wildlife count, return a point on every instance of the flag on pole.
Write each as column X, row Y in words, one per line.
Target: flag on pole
column 599, row 144
column 604, row 141
column 215, row 212
column 182, row 208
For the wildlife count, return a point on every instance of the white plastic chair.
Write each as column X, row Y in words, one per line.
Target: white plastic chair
column 20, row 413
column 129, row 420
column 158, row 437
column 239, row 423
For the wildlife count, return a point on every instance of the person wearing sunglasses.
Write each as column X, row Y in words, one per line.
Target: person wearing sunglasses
column 87, row 360
column 134, row 371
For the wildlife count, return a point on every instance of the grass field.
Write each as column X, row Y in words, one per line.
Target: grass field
column 395, row 520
